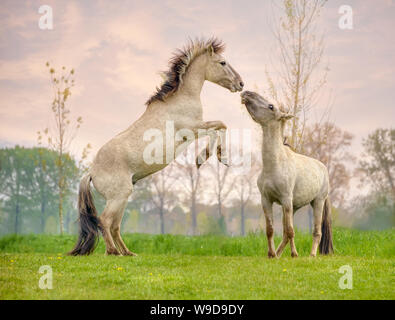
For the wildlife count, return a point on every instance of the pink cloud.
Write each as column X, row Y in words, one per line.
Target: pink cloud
column 117, row 51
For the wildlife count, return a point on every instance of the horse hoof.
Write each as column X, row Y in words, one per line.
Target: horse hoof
column 113, row 252
column 131, row 254
column 294, row 255
column 271, row 255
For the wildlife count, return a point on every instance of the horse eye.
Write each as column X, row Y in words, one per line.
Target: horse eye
column 223, row 63
column 270, row 106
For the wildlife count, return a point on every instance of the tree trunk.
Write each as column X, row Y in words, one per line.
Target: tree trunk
column 17, row 201
column 16, row 226
column 297, row 87
column 222, row 222
column 242, row 220
column 219, row 207
column 61, row 190
column 61, row 212
column 66, row 222
column 193, row 214
column 162, row 221
column 390, row 181
column 42, row 219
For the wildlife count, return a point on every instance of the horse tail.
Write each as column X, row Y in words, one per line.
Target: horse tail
column 326, row 243
column 89, row 223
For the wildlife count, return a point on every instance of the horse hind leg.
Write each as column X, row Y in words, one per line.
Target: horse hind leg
column 116, row 230
column 318, row 207
column 106, row 221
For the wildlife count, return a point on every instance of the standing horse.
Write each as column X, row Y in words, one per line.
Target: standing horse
column 289, row 179
column 120, row 163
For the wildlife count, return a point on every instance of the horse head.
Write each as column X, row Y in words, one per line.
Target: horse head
column 261, row 110
column 220, row 72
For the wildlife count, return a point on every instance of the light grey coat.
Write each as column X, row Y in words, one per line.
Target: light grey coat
column 124, row 160
column 289, row 179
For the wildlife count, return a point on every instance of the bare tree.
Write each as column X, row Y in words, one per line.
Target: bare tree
column 161, row 192
column 244, row 188
column 329, row 144
column 221, row 184
column 190, row 182
column 299, row 75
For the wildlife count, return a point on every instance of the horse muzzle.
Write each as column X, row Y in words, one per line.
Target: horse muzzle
column 239, row 85
column 245, row 97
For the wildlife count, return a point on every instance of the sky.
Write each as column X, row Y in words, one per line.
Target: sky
column 118, row 47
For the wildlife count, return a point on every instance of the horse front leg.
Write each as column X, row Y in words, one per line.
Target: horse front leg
column 208, row 150
column 284, row 241
column 215, row 125
column 268, row 211
column 216, row 131
column 288, row 228
column 222, row 155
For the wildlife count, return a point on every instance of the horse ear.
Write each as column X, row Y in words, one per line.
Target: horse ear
column 210, row 50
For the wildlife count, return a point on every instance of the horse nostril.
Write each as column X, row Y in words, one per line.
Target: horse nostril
column 241, row 84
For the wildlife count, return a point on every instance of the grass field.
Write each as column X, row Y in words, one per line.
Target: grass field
column 204, row 267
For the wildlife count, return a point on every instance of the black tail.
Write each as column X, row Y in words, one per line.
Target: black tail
column 89, row 222
column 326, row 243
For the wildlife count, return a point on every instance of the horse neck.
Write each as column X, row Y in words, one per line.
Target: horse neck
column 272, row 145
column 193, row 79
column 186, row 99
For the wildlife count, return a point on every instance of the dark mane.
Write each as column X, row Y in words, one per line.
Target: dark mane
column 180, row 62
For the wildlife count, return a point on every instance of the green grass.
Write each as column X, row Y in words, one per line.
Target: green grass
column 204, row 267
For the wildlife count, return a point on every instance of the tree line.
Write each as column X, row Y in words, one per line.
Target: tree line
column 29, row 187
column 182, row 199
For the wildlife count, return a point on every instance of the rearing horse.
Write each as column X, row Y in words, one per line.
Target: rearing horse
column 120, row 163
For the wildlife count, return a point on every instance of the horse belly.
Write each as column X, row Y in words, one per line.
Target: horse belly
column 307, row 187
column 143, row 168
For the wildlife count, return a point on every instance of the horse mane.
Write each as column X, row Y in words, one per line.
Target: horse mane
column 285, row 143
column 285, row 138
column 178, row 65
